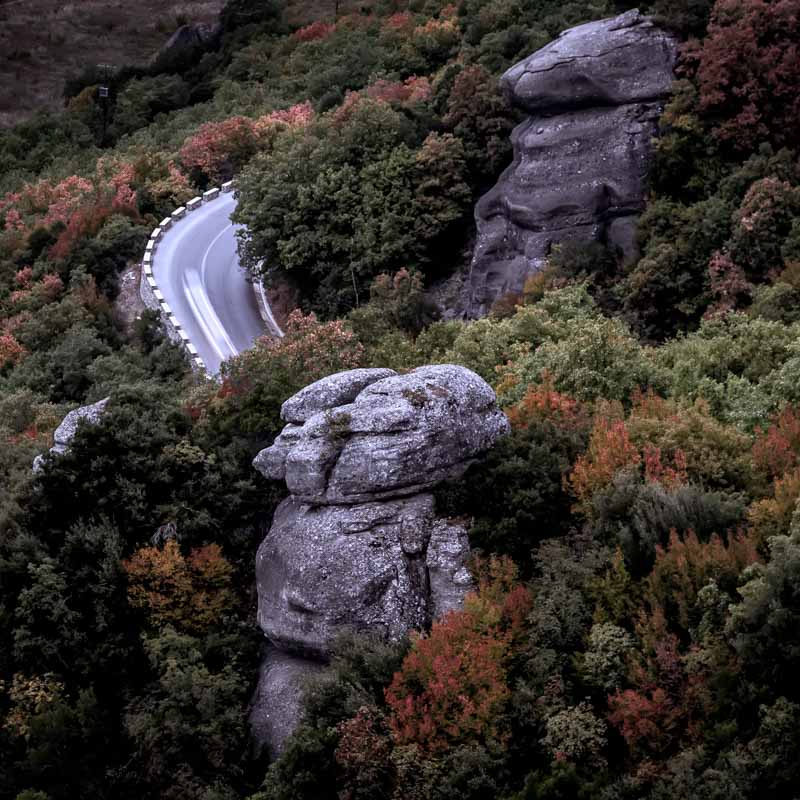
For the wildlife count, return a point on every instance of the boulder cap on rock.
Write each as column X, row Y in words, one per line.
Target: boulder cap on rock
column 626, row 59
column 334, row 390
column 400, row 435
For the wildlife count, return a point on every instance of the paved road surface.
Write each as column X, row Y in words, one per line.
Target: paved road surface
column 197, row 269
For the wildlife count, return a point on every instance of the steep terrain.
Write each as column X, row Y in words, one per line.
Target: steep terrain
column 44, row 42
column 628, row 629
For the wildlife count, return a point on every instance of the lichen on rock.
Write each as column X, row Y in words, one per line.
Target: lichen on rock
column 403, row 435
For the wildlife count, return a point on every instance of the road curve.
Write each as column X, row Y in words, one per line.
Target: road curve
column 197, row 270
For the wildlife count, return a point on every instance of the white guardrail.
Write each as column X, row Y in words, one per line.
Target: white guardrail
column 149, row 257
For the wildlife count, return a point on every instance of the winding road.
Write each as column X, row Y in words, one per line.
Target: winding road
column 197, row 270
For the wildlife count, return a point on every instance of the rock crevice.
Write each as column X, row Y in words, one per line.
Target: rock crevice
column 357, row 545
column 581, row 159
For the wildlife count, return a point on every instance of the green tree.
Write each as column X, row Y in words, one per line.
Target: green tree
column 143, row 98
column 763, row 628
column 188, row 727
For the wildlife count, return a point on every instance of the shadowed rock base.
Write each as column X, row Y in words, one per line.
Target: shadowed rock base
column 277, row 701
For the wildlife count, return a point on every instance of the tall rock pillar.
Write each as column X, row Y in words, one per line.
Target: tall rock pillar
column 357, row 545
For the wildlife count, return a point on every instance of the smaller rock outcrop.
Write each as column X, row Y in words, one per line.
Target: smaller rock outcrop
column 189, row 38
column 358, row 546
column 65, row 432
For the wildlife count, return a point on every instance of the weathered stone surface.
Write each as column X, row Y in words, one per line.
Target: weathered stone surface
column 399, row 436
column 581, row 159
column 271, row 462
column 357, row 546
column 276, row 706
column 65, row 432
column 627, row 59
column 448, row 576
column 325, row 569
column 335, row 390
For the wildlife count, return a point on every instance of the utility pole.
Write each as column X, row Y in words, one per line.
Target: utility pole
column 107, row 71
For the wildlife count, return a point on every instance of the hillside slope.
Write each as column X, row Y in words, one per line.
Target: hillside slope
column 44, row 42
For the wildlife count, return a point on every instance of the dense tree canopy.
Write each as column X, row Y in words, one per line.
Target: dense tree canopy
column 633, row 627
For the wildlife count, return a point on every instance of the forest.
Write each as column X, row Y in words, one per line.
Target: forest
column 634, row 632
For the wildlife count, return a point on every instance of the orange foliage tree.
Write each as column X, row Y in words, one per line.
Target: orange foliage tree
column 610, row 450
column 11, row 351
column 613, row 448
column 670, row 698
column 773, row 515
column 747, row 71
column 453, row 685
column 542, row 403
column 686, row 565
column 220, row 149
column 190, row 592
column 776, row 450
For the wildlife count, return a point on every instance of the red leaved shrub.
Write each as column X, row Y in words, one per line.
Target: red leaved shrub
column 218, row 149
column 748, row 70
column 776, row 451
column 452, row 686
column 542, row 403
column 314, row 32
column 610, row 450
column 11, row 351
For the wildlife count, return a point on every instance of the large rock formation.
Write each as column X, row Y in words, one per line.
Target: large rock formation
column 357, row 545
column 65, row 432
column 581, row 159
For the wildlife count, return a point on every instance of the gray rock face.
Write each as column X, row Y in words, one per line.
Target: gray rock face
column 581, row 159
column 335, row 390
column 357, row 546
column 611, row 62
column 325, row 569
column 449, row 578
column 65, row 432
